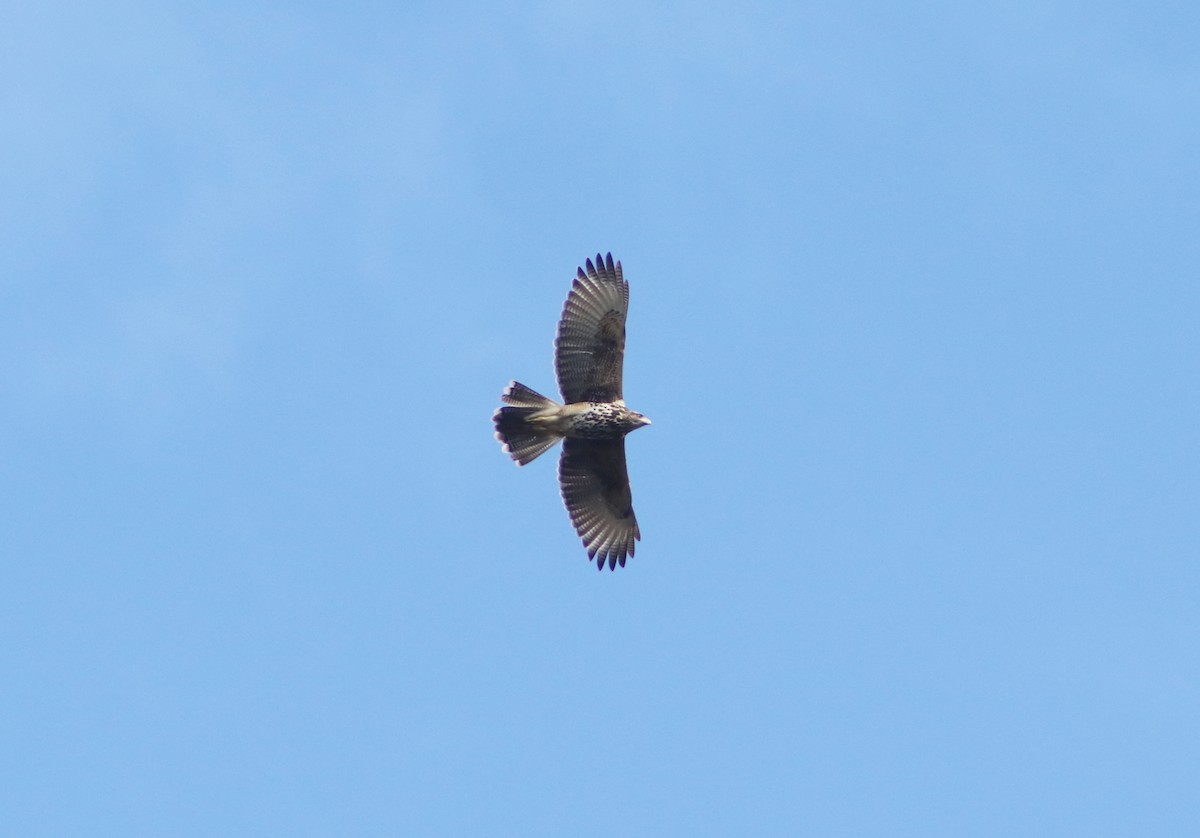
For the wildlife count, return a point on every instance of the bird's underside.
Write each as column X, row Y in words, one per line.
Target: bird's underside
column 593, row 420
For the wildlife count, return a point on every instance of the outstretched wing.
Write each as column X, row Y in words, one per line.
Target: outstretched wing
column 590, row 348
column 595, row 489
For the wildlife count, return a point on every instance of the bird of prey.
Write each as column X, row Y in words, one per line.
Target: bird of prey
column 589, row 352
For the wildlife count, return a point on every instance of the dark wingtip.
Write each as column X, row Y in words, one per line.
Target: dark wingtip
column 611, row 559
column 603, row 263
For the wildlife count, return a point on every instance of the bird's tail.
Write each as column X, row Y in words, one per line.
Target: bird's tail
column 521, row 440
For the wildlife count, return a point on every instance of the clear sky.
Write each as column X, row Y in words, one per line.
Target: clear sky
column 915, row 291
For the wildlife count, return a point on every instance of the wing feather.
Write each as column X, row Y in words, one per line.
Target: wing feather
column 595, row 490
column 589, row 351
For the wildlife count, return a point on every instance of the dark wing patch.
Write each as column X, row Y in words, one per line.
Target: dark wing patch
column 589, row 351
column 595, row 489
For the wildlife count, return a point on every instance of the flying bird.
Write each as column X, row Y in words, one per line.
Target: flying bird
column 589, row 353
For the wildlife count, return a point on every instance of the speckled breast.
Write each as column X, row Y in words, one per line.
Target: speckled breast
column 600, row 421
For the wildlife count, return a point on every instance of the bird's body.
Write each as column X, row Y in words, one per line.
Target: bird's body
column 593, row 421
column 589, row 420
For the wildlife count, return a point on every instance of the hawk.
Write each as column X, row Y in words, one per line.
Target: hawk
column 589, row 352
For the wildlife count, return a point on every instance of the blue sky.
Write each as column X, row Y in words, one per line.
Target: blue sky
column 914, row 305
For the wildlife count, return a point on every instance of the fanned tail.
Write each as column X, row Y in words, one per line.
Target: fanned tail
column 520, row 440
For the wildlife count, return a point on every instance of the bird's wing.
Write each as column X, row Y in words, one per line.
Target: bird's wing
column 595, row 489
column 590, row 348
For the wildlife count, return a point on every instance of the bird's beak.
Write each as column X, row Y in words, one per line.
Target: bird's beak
column 646, row 420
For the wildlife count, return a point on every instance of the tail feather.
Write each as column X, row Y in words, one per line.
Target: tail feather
column 520, row 440
column 518, row 395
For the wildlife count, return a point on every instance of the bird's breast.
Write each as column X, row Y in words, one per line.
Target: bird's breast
column 595, row 420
